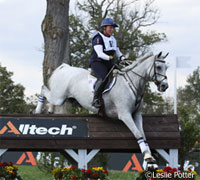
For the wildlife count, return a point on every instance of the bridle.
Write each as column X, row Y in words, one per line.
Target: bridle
column 155, row 75
column 154, row 78
column 138, row 92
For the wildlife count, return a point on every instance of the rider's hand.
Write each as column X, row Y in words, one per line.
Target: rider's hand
column 122, row 58
column 111, row 57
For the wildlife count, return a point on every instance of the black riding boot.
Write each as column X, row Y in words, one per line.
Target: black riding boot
column 98, row 89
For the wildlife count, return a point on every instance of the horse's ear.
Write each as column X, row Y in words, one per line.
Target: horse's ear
column 160, row 54
column 166, row 55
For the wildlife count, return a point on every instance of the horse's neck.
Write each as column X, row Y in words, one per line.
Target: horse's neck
column 141, row 74
column 145, row 68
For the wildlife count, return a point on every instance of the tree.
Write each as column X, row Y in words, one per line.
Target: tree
column 55, row 29
column 155, row 104
column 12, row 98
column 190, row 131
column 189, row 114
column 189, row 95
column 56, row 37
column 80, row 42
column 132, row 40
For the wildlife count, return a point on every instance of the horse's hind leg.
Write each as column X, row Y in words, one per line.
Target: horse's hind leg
column 40, row 103
column 44, row 93
column 50, row 108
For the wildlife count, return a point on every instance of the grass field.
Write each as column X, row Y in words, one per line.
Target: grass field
column 33, row 173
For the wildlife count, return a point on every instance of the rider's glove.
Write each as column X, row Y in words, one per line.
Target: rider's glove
column 122, row 58
column 111, row 57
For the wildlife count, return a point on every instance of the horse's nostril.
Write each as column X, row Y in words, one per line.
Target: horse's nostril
column 164, row 86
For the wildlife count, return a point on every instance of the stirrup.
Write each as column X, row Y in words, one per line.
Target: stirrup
column 96, row 103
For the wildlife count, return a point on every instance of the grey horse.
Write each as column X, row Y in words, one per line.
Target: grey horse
column 123, row 101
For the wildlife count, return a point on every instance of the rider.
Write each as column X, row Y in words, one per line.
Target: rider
column 102, row 57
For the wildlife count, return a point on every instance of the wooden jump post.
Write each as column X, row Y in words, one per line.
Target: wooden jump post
column 83, row 136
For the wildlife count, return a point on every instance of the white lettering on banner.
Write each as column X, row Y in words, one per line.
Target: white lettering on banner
column 54, row 131
column 41, row 131
column 26, row 129
column 21, row 127
column 64, row 129
column 32, row 129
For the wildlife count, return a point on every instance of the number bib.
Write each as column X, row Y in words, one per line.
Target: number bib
column 109, row 42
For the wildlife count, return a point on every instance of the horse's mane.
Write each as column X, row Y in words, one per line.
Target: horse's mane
column 137, row 61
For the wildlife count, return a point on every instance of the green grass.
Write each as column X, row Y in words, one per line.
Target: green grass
column 118, row 175
column 198, row 178
column 33, row 173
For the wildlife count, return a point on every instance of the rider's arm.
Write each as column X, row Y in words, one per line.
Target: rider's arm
column 99, row 50
column 118, row 53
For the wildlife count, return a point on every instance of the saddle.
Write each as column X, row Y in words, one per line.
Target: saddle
column 110, row 78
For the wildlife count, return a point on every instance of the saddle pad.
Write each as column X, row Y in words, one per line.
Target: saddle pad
column 92, row 80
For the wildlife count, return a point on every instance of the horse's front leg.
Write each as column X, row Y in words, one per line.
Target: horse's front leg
column 139, row 123
column 126, row 117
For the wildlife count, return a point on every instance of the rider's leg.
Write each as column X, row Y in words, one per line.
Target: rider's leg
column 98, row 89
column 100, row 71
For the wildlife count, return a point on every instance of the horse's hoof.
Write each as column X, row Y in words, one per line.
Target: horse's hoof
column 150, row 161
column 149, row 158
column 151, row 165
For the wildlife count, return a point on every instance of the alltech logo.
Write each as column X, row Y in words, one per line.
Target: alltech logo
column 10, row 128
column 27, row 158
column 133, row 164
column 43, row 127
column 27, row 129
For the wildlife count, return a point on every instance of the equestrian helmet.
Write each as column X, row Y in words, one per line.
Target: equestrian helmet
column 108, row 22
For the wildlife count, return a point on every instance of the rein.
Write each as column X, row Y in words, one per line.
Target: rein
column 136, row 91
column 154, row 77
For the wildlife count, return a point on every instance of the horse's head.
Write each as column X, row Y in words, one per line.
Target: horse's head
column 159, row 72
